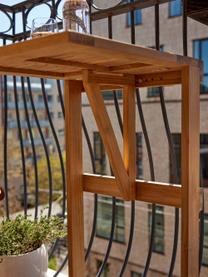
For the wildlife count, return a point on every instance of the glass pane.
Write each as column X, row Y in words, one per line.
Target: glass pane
column 204, row 169
column 204, row 85
column 196, row 49
column 106, row 268
column 176, row 8
column 153, row 92
column 137, row 16
column 205, row 248
column 100, row 157
column 159, row 245
column 104, row 219
column 204, row 55
column 139, row 164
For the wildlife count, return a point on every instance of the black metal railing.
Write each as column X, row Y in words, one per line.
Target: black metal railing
column 31, row 114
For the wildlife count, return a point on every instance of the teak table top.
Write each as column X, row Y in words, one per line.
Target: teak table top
column 64, row 55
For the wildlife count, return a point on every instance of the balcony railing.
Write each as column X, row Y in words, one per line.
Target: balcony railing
column 18, row 16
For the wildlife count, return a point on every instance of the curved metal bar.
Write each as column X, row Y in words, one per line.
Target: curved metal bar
column 34, row 6
column 171, row 146
column 93, row 231
column 94, row 224
column 118, row 111
column 30, row 134
column 21, row 145
column 130, row 240
column 132, row 221
column 11, row 22
column 175, row 180
column 53, row 9
column 42, row 139
column 5, row 146
column 61, row 267
column 113, row 222
column 110, row 239
column 33, row 147
column 101, row 9
column 57, row 146
column 58, row 83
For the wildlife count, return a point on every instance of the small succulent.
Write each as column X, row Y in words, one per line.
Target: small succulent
column 22, row 235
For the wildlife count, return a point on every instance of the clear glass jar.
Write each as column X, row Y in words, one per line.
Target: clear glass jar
column 76, row 16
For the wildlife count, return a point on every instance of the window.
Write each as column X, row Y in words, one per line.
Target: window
column 204, row 160
column 200, row 48
column 40, row 98
column 106, row 269
column 108, row 95
column 50, row 98
column 58, row 98
column 60, row 115
column 154, row 91
column 52, row 115
column 104, row 219
column 10, row 99
column 135, row 274
column 203, row 157
column 139, row 167
column 137, row 17
column 175, row 8
column 159, row 240
column 99, row 152
column 205, row 246
column 61, row 132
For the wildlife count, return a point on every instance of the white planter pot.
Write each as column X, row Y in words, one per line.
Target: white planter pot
column 33, row 264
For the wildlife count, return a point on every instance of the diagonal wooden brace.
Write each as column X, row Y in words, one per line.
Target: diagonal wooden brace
column 123, row 171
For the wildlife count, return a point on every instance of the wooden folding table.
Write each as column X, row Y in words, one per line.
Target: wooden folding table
column 92, row 64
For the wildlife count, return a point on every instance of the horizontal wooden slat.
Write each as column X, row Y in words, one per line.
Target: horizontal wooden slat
column 111, row 79
column 30, row 72
column 151, row 192
column 158, row 79
column 70, row 63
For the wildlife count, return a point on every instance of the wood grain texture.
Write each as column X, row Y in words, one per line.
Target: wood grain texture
column 150, row 192
column 158, row 79
column 106, row 131
column 129, row 135
column 109, row 79
column 190, row 172
column 68, row 52
column 73, row 138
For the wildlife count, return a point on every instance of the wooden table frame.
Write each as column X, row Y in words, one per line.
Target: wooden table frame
column 150, row 69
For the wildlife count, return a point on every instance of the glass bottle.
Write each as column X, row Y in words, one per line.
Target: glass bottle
column 76, row 16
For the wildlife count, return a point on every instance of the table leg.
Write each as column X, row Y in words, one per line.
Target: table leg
column 129, row 136
column 74, row 172
column 190, row 172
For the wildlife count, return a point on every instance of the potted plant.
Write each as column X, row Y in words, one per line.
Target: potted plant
column 22, row 245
